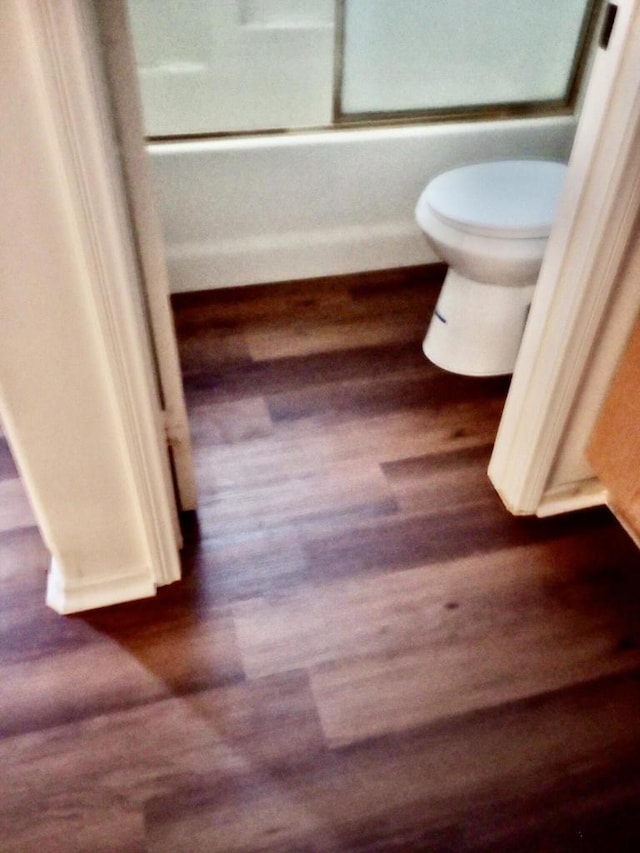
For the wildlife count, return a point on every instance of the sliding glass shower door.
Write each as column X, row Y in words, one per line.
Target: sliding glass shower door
column 214, row 67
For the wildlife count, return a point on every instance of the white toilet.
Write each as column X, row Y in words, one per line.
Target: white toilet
column 490, row 222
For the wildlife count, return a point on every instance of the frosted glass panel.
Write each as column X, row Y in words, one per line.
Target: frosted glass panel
column 404, row 55
column 218, row 66
column 226, row 66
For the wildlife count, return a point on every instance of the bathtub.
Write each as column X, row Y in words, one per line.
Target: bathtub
column 276, row 207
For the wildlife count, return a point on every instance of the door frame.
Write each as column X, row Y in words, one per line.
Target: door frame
column 586, row 299
column 121, row 78
column 60, row 61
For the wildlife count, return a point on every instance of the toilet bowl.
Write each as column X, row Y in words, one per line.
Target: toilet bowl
column 490, row 223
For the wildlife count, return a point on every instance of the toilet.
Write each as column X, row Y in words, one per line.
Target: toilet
column 490, row 223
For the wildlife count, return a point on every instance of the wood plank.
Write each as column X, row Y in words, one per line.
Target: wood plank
column 236, row 380
column 391, row 392
column 298, row 339
column 15, row 509
column 543, row 770
column 317, row 298
column 420, row 687
column 301, row 447
column 148, row 752
column 210, row 349
column 440, row 640
column 243, row 564
column 180, row 655
column 405, row 541
column 419, row 483
column 8, row 470
column 230, row 423
column 24, row 562
column 347, row 490
column 614, row 448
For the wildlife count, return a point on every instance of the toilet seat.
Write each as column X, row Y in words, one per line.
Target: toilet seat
column 508, row 199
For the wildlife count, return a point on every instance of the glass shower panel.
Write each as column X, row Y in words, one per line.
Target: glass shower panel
column 216, row 66
column 422, row 55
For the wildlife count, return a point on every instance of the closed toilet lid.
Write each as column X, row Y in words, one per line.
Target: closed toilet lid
column 508, row 198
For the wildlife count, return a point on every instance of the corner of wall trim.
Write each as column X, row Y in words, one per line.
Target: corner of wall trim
column 66, row 598
column 573, row 496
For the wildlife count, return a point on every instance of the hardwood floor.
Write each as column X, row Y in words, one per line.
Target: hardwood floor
column 367, row 652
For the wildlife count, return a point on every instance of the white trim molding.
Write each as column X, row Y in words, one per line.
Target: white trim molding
column 120, row 70
column 586, row 299
column 74, row 597
column 78, row 391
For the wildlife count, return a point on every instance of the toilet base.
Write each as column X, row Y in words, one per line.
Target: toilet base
column 476, row 328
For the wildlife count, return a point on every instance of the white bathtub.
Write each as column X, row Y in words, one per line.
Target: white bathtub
column 271, row 208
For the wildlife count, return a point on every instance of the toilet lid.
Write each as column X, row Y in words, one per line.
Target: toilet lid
column 508, row 198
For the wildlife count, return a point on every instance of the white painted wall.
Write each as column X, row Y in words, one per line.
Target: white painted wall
column 271, row 208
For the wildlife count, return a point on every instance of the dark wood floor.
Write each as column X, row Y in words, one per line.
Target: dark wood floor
column 367, row 651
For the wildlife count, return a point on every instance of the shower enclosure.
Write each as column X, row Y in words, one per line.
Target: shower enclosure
column 231, row 66
column 291, row 138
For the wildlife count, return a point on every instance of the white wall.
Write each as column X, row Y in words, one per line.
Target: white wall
column 272, row 208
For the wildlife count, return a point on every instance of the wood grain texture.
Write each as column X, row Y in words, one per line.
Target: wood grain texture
column 614, row 448
column 366, row 653
column 15, row 509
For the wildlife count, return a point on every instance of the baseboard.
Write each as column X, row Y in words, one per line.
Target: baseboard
column 65, row 598
column 291, row 256
column 572, row 496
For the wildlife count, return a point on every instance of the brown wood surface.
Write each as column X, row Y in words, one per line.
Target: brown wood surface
column 614, row 448
column 367, row 652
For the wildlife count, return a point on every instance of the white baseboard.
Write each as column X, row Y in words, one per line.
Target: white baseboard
column 312, row 254
column 572, row 496
column 65, row 598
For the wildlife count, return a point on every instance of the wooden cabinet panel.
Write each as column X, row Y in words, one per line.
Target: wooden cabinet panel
column 614, row 448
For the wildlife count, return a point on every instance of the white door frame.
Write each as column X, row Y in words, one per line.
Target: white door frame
column 128, row 127
column 77, row 388
column 586, row 299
